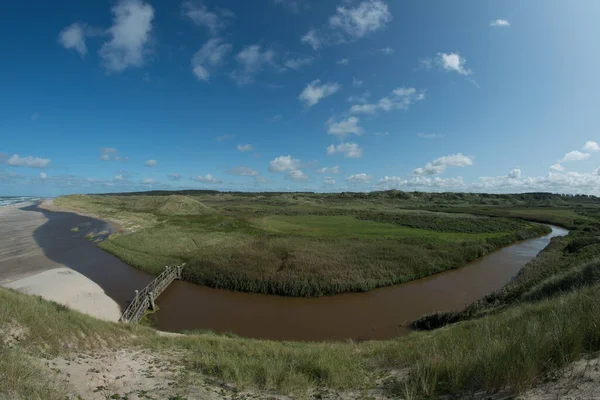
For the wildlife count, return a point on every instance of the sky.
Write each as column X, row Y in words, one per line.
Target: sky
column 299, row 95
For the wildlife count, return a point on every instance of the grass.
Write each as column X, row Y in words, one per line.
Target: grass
column 517, row 349
column 529, row 331
column 304, row 248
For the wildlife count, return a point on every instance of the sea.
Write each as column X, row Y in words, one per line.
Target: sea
column 10, row 200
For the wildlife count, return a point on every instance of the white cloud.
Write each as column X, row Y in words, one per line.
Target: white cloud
column 357, row 82
column 454, row 62
column 297, row 175
column 556, row 168
column 350, row 23
column 425, row 63
column 575, row 155
column 298, row 63
column 174, row 177
column 251, row 61
column 369, row 16
column 151, row 163
column 208, row 178
column 118, row 178
column 499, row 23
column 261, row 180
column 73, row 37
column 344, row 127
column 312, row 38
column 110, row 153
column 557, row 182
column 284, row 163
column 591, row 146
column 315, row 92
column 43, row 175
column 148, row 181
column 224, row 138
column 402, row 98
column 343, row 61
column 29, row 161
column 363, row 109
column 439, row 165
column 515, row 174
column 243, row 171
column 350, row 150
column 328, row 180
column 359, row 179
column 201, row 16
column 420, row 183
column 244, row 147
column 333, row 170
column 597, row 171
column 129, row 36
column 360, row 99
column 210, row 55
column 431, row 135
column 386, row 50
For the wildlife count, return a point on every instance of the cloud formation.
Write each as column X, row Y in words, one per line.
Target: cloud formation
column 439, row 165
column 454, row 62
column 359, row 179
column 29, row 161
column 208, row 57
column 344, row 127
column 284, row 163
column 251, row 60
column 243, row 171
column 129, row 36
column 575, row 155
column 400, row 99
column 499, row 23
column 151, row 163
column 244, row 147
column 314, row 92
column 208, row 178
column 201, row 16
column 349, row 150
column 73, row 37
column 332, row 170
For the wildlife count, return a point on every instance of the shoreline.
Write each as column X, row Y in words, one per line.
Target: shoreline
column 25, row 266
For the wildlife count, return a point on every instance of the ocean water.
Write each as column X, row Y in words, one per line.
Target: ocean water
column 10, row 200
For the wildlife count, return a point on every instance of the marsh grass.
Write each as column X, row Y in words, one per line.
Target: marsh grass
column 306, row 248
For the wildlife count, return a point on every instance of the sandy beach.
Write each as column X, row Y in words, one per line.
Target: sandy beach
column 24, row 266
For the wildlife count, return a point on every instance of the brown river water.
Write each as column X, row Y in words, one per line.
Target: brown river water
column 378, row 314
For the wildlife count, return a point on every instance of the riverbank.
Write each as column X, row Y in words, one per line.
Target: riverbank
column 24, row 266
column 378, row 314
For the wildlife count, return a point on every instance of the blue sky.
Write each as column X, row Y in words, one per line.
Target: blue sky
column 332, row 95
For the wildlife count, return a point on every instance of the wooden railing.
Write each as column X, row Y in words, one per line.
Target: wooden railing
column 145, row 298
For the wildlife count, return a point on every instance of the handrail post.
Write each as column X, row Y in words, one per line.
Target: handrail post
column 151, row 297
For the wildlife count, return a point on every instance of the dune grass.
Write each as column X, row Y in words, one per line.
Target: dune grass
column 513, row 339
column 515, row 349
column 294, row 247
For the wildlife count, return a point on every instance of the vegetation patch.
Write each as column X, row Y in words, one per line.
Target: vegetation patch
column 297, row 246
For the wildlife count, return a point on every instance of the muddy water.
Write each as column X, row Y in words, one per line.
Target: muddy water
column 379, row 314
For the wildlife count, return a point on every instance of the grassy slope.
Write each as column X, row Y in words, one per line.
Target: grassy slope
column 549, row 317
column 296, row 247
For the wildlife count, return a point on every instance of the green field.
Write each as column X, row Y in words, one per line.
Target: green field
column 296, row 246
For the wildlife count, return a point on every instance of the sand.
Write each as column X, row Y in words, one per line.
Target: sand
column 24, row 267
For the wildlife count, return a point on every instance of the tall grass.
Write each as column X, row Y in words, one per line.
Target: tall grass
column 304, row 249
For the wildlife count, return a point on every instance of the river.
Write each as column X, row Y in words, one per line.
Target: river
column 378, row 314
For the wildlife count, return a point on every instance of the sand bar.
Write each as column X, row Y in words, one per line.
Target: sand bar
column 25, row 267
